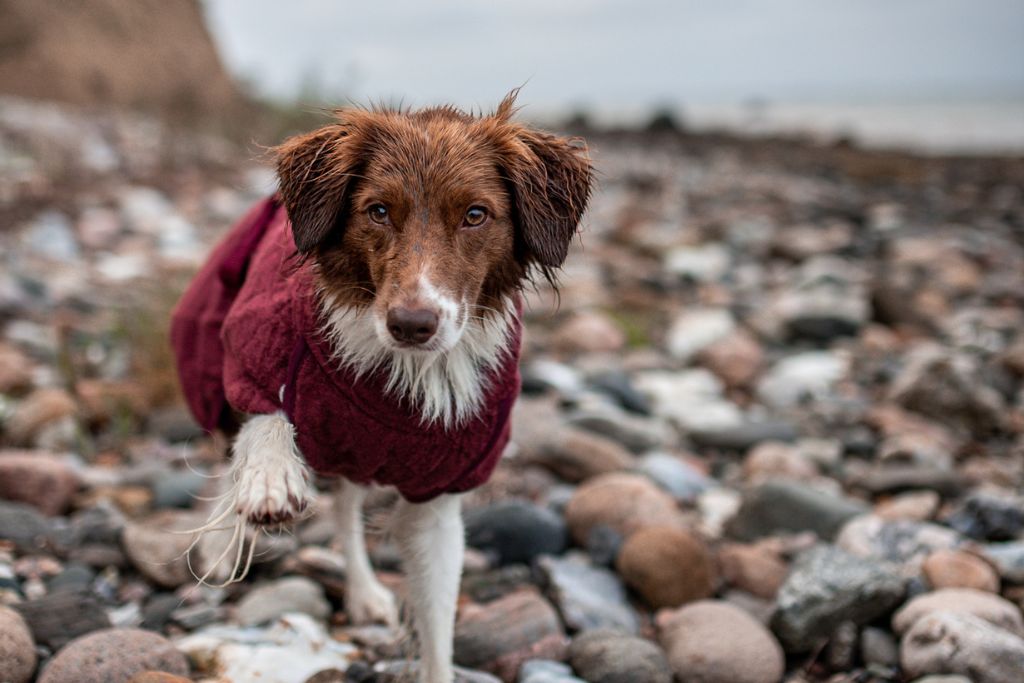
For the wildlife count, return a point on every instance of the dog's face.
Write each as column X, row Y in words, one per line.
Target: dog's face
column 431, row 218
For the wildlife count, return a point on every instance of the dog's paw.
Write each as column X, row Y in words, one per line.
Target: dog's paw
column 273, row 484
column 369, row 602
column 272, row 496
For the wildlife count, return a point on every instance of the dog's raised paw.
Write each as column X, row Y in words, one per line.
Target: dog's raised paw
column 272, row 481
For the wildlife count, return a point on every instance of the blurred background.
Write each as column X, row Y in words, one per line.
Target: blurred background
column 774, row 429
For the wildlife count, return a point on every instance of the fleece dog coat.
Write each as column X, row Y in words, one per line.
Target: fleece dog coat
column 247, row 336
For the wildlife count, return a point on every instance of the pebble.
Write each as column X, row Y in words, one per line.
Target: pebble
column 637, row 433
column 953, row 643
column 988, row 517
column 1008, row 559
column 801, row 377
column 741, row 437
column 17, row 649
column 40, row 479
column 667, row 566
column 178, row 489
column 621, row 501
column 25, row 527
column 293, row 648
column 157, row 549
column 46, row 415
column 60, row 617
column 291, row 594
column 577, row 455
column 587, row 597
column 714, row 642
column 546, row 671
column 756, row 569
column 959, row 569
column 878, row 647
column 515, row 531
column 610, row 657
column 696, row 330
column 900, row 541
column 776, row 460
column 827, row 587
column 403, row 671
column 916, row 506
column 736, row 359
column 680, row 479
column 113, row 656
column 499, row 636
column 784, row 506
column 983, row 605
column 588, row 332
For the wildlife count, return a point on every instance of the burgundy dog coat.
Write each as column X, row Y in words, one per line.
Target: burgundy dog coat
column 248, row 326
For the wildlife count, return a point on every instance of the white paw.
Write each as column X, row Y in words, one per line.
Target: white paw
column 368, row 602
column 273, row 484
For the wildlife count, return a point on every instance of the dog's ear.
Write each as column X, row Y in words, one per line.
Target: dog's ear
column 315, row 174
column 550, row 179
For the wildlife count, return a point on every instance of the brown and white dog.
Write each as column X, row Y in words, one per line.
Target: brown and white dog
column 421, row 228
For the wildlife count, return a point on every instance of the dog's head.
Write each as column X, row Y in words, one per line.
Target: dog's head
column 431, row 218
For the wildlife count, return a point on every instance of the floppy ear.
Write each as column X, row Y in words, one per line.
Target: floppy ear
column 315, row 174
column 550, row 179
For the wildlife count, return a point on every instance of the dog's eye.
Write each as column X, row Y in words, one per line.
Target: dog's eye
column 475, row 217
column 378, row 213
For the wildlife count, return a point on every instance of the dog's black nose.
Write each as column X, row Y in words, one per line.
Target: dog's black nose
column 412, row 326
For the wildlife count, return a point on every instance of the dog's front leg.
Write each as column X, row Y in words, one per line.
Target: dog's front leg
column 272, row 482
column 366, row 600
column 431, row 540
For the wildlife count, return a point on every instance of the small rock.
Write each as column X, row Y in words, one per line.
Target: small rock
column 703, row 263
column 1008, row 559
column 800, row 377
column 40, row 479
column 516, row 531
column 588, row 332
column 178, row 489
column 989, row 518
column 609, row 657
column 780, row 506
column 696, row 330
column 293, row 648
column 43, row 410
column 620, row 501
column 15, row 370
column 826, row 587
column 158, row 677
column 878, row 647
column 17, row 649
column 24, row 526
column 577, row 455
column 714, row 642
column 992, row 608
column 156, row 547
column 682, row 481
column 958, row 569
column 736, row 359
column 916, row 506
column 951, row 643
column 58, row 618
column 500, row 636
column 588, row 597
column 546, row 671
column 900, row 541
column 756, row 569
column 745, row 435
column 619, row 385
column 945, row 387
column 114, row 656
column 635, row 432
column 777, row 460
column 692, row 399
column 666, row 566
column 272, row 600
column 404, row 671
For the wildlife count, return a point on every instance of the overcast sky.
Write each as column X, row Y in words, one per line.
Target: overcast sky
column 628, row 53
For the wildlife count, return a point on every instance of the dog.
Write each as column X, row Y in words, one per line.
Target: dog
column 366, row 319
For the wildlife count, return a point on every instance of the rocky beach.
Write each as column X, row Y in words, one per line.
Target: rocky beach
column 771, row 429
